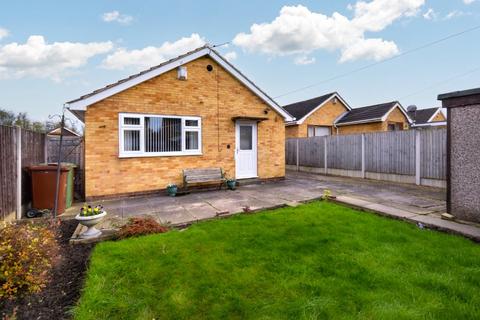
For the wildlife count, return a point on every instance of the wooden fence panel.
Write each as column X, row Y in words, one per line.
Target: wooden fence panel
column 433, row 153
column 33, row 152
column 72, row 152
column 311, row 152
column 290, row 151
column 344, row 152
column 390, row 152
column 8, row 171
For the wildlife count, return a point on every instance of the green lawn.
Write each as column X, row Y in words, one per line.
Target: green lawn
column 315, row 261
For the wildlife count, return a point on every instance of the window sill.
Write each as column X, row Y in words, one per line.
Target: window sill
column 157, row 155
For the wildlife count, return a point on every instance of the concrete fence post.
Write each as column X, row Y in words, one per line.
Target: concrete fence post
column 363, row 155
column 45, row 149
column 18, row 145
column 418, row 145
column 296, row 152
column 325, row 154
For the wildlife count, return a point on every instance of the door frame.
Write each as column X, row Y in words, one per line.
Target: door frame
column 254, row 125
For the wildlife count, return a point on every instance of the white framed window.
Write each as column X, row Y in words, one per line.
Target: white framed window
column 148, row 135
column 318, row 131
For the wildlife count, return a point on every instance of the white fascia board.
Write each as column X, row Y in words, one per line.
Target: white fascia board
column 430, row 124
column 358, row 122
column 335, row 95
column 227, row 66
column 82, row 105
column 434, row 114
column 399, row 106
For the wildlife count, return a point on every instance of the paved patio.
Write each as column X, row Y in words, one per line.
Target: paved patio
column 410, row 202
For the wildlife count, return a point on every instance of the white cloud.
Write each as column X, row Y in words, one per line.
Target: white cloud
column 230, row 56
column 456, row 14
column 304, row 60
column 430, row 14
column 3, row 33
column 39, row 59
column 115, row 16
column 469, row 1
column 299, row 31
column 151, row 56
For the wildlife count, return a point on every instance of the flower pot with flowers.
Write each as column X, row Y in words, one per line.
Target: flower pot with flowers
column 90, row 217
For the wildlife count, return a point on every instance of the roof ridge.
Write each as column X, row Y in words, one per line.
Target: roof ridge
column 310, row 99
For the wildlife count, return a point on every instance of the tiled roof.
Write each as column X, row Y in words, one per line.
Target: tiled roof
column 373, row 112
column 422, row 115
column 302, row 108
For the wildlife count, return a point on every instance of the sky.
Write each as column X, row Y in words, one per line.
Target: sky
column 55, row 51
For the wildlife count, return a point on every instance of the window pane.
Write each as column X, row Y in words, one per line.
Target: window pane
column 163, row 134
column 131, row 140
column 191, row 140
column 191, row 123
column 131, row 121
column 310, row 131
column 245, row 138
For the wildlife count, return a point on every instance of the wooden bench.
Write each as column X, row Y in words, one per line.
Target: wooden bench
column 203, row 176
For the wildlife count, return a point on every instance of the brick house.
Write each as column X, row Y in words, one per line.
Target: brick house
column 427, row 118
column 315, row 117
column 388, row 116
column 194, row 111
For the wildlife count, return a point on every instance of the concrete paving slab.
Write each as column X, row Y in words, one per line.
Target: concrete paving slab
column 407, row 202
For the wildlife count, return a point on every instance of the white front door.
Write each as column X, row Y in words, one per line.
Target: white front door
column 246, row 150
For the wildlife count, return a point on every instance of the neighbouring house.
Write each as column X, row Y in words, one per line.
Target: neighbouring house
column 66, row 132
column 427, row 118
column 388, row 116
column 315, row 117
column 194, row 111
column 463, row 153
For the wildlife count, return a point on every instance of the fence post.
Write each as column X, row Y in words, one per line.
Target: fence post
column 18, row 145
column 45, row 148
column 417, row 157
column 325, row 154
column 363, row 155
column 296, row 158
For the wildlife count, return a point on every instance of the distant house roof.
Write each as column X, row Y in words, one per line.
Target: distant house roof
column 423, row 116
column 373, row 113
column 66, row 132
column 78, row 106
column 302, row 109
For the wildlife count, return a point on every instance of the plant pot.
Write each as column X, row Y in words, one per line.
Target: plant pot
column 172, row 191
column 231, row 184
column 90, row 222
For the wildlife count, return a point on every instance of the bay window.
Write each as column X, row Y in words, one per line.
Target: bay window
column 158, row 135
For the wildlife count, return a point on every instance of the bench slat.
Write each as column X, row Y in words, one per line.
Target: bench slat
column 203, row 178
column 202, row 171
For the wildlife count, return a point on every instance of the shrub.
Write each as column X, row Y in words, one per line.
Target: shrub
column 27, row 253
column 138, row 226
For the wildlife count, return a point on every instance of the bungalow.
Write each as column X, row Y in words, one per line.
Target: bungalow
column 388, row 116
column 194, row 111
column 427, row 118
column 315, row 117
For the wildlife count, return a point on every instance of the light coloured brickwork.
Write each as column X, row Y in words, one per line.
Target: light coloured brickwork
column 439, row 117
column 325, row 116
column 215, row 96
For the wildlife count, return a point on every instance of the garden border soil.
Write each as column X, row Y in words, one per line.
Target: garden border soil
column 63, row 290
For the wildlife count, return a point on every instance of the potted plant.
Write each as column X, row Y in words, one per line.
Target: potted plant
column 90, row 217
column 172, row 189
column 231, row 183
